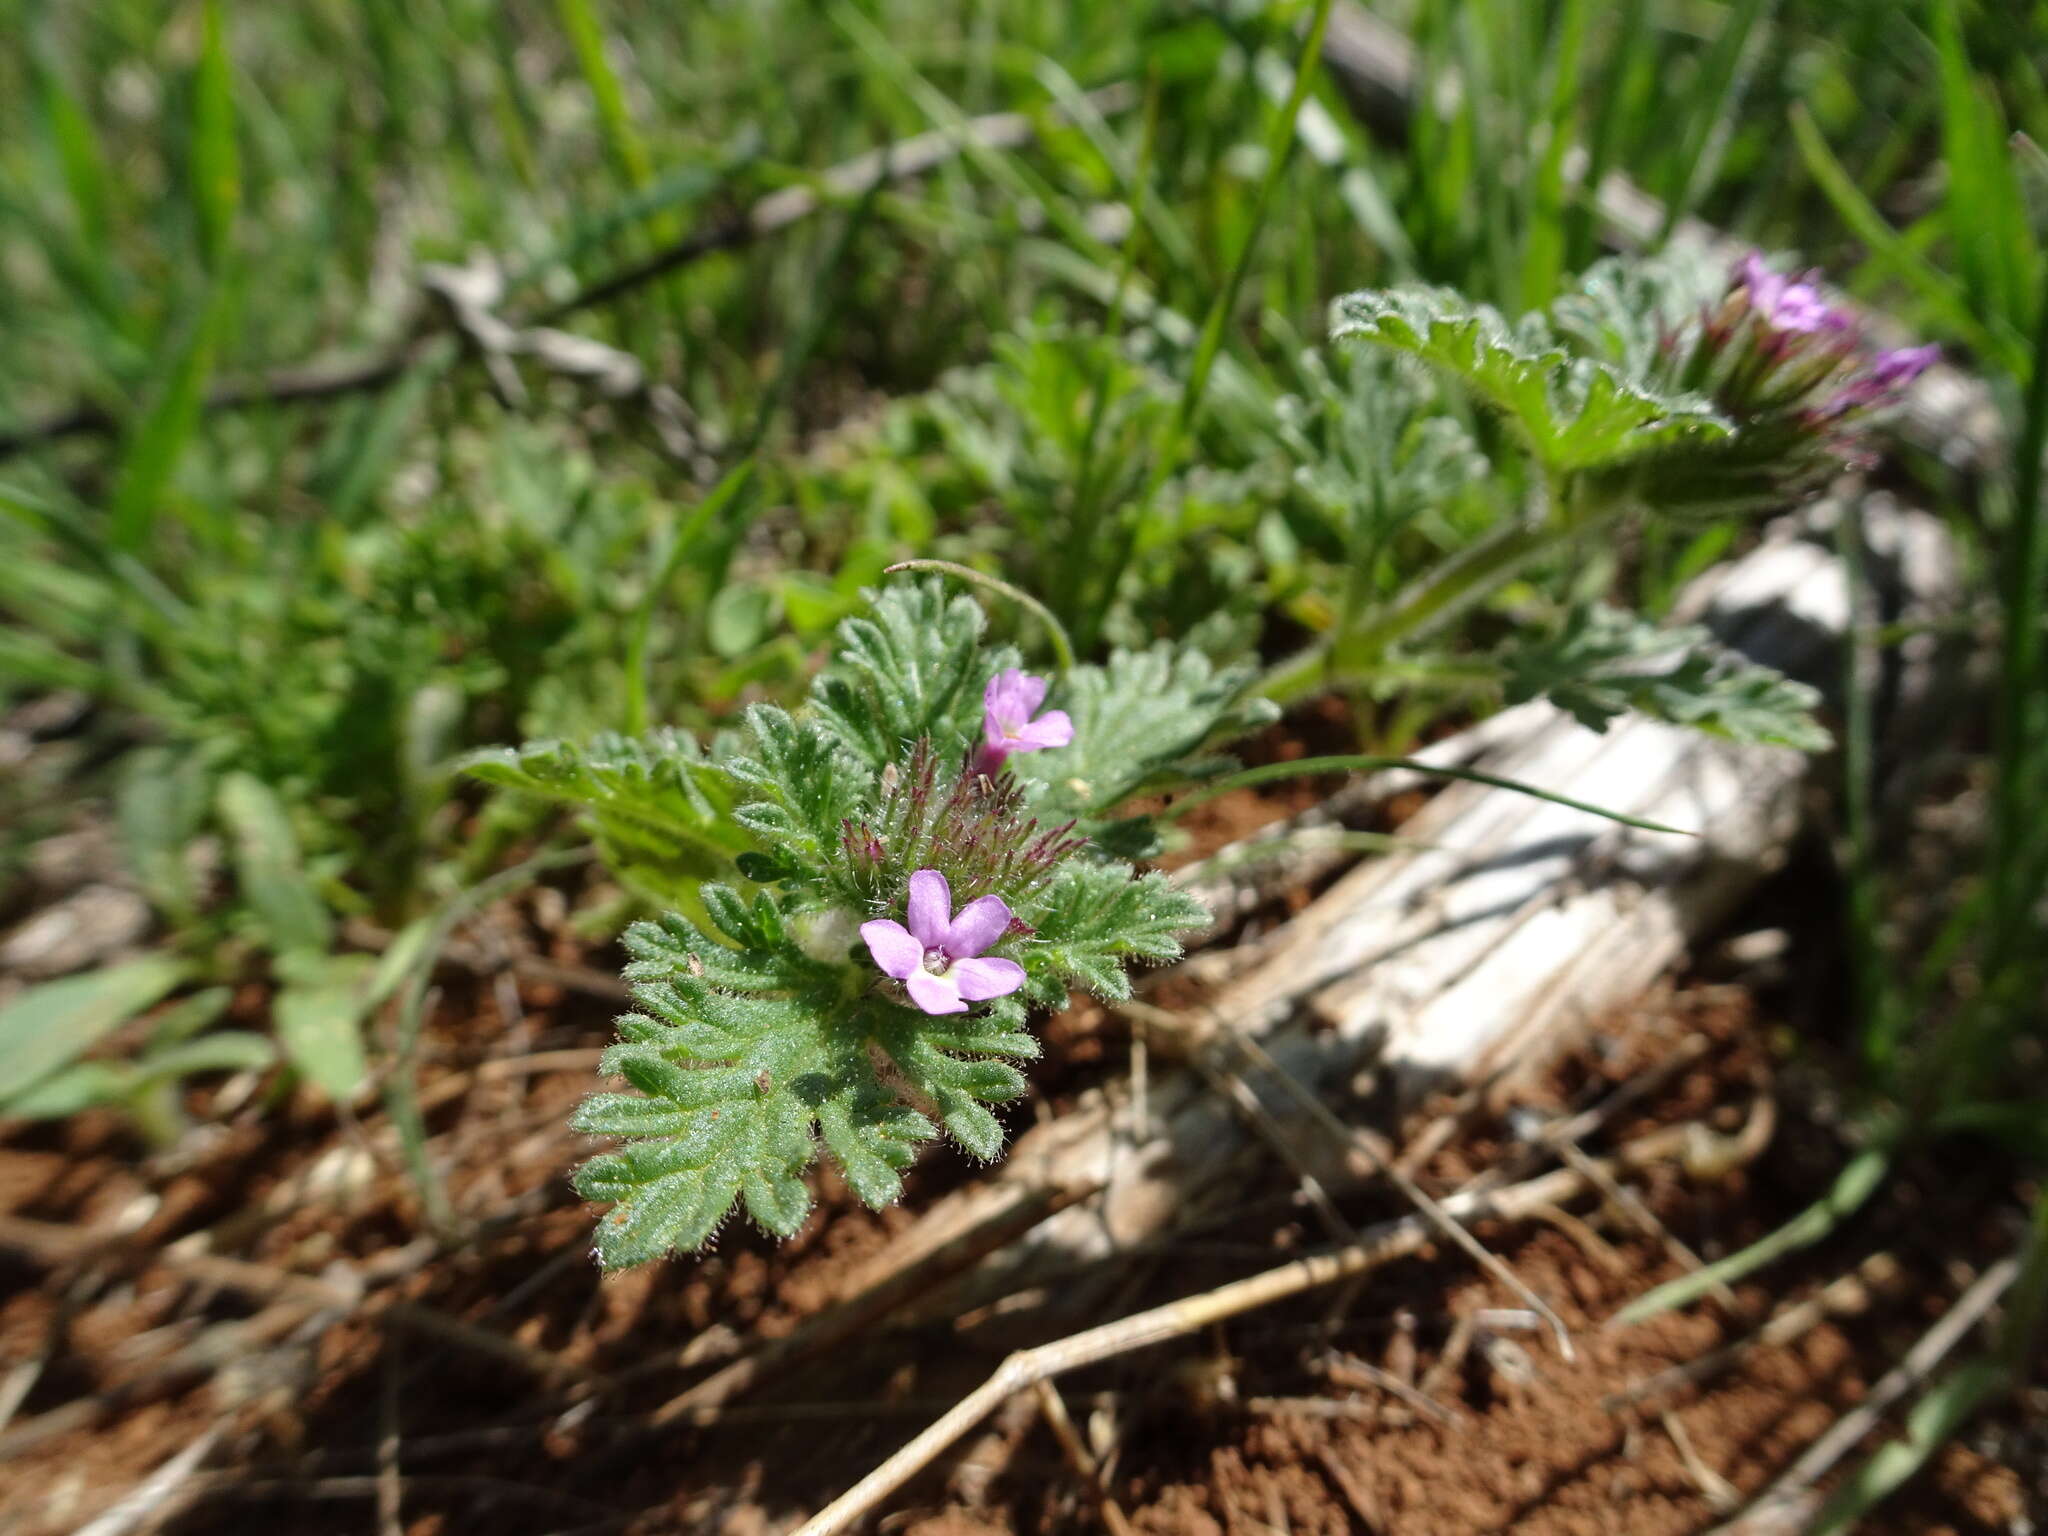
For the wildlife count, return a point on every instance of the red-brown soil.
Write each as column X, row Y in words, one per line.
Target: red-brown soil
column 533, row 1418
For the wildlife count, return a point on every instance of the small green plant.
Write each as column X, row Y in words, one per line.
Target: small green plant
column 914, row 857
column 1652, row 390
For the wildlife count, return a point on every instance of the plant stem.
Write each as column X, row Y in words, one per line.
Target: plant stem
column 1436, row 597
column 1062, row 647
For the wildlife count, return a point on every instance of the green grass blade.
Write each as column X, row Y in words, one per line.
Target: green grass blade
column 1987, row 217
column 1629, row 72
column 79, row 155
column 1854, row 1185
column 1877, row 998
column 1543, row 254
column 1349, row 762
column 1280, row 139
column 216, row 162
column 87, row 181
column 158, row 439
column 1008, row 171
column 1889, row 250
column 621, row 139
column 53, row 1024
column 1947, row 1406
column 1710, row 118
column 641, row 626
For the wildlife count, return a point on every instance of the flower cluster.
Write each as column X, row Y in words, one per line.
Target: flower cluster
column 1789, row 368
column 977, row 829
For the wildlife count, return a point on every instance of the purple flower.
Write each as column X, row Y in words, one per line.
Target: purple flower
column 1008, row 704
column 1902, row 365
column 1788, row 304
column 938, row 957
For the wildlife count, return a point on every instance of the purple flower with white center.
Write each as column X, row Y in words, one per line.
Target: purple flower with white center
column 938, row 957
column 1789, row 304
column 1009, row 703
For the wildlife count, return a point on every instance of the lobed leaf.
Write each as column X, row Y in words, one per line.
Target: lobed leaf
column 1096, row 916
column 661, row 807
column 747, row 1056
column 1574, row 412
column 914, row 669
column 1137, row 721
column 1603, row 662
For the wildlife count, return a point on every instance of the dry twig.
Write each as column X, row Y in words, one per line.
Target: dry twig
column 157, row 1497
column 1790, row 1502
column 1350, row 1371
column 1054, row 1409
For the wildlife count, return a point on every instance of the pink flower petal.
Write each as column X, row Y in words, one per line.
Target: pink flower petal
column 1008, row 703
column 979, row 980
column 1902, row 365
column 931, row 908
column 935, row 994
column 1051, row 729
column 980, row 923
column 894, row 949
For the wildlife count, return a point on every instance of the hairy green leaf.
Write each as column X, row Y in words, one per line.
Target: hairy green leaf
column 1575, row 413
column 1603, row 662
column 661, row 808
column 746, row 1053
column 913, row 670
column 1138, row 721
column 1094, row 917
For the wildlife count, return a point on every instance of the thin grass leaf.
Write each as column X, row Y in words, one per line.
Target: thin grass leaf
column 158, row 439
column 681, row 545
column 1853, row 1186
column 1280, row 138
column 1630, row 67
column 1945, row 1408
column 216, row 168
column 1544, row 246
column 87, row 180
column 621, row 139
column 1891, row 253
column 1710, row 117
column 1349, row 762
column 369, row 442
column 1987, row 213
